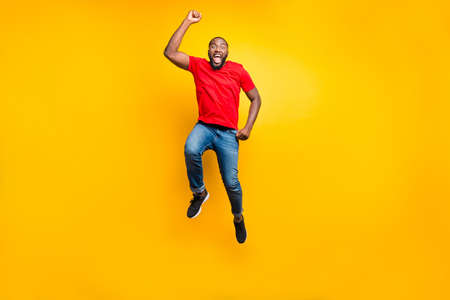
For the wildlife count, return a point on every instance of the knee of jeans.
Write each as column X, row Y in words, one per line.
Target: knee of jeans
column 232, row 184
column 190, row 150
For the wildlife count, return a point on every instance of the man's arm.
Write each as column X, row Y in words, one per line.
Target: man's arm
column 179, row 58
column 254, row 97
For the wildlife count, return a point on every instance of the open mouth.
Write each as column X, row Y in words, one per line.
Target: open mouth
column 217, row 59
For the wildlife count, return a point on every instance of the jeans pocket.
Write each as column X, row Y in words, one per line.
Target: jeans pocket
column 233, row 132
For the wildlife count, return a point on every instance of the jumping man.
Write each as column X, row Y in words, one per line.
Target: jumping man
column 218, row 83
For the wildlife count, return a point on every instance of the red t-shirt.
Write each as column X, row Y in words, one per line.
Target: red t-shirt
column 218, row 90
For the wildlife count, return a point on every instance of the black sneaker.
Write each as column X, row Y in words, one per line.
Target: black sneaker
column 196, row 204
column 241, row 233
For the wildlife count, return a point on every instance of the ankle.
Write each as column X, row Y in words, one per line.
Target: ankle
column 238, row 219
column 203, row 193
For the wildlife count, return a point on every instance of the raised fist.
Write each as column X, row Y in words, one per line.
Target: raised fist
column 194, row 16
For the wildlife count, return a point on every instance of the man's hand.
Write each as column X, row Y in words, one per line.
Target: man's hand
column 254, row 97
column 193, row 16
column 179, row 58
column 243, row 133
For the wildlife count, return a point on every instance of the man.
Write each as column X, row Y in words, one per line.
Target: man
column 218, row 83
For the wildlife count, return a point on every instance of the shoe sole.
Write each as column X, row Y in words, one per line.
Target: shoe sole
column 206, row 198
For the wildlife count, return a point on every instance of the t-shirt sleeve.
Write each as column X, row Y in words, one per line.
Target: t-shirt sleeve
column 193, row 62
column 246, row 81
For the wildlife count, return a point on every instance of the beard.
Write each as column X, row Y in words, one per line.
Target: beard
column 212, row 63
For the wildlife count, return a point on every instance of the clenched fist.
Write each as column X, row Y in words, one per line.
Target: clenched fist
column 243, row 133
column 193, row 16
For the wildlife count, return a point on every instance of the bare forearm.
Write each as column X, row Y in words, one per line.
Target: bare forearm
column 253, row 113
column 177, row 37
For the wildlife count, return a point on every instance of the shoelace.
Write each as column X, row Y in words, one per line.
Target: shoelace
column 196, row 198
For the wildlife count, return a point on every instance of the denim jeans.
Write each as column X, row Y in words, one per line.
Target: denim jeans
column 224, row 142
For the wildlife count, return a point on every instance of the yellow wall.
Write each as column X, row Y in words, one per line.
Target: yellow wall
column 346, row 175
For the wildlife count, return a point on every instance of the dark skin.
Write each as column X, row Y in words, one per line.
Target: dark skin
column 216, row 46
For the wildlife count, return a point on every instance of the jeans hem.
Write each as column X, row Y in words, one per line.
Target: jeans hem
column 198, row 190
column 237, row 214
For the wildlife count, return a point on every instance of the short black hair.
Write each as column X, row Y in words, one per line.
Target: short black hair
column 218, row 37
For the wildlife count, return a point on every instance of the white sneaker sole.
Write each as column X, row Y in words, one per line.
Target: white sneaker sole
column 206, row 198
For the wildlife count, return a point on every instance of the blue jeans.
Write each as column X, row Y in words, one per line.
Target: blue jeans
column 224, row 142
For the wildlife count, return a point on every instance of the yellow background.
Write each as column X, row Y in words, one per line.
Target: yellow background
column 346, row 175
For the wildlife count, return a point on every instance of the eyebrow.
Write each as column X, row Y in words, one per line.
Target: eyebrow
column 223, row 43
